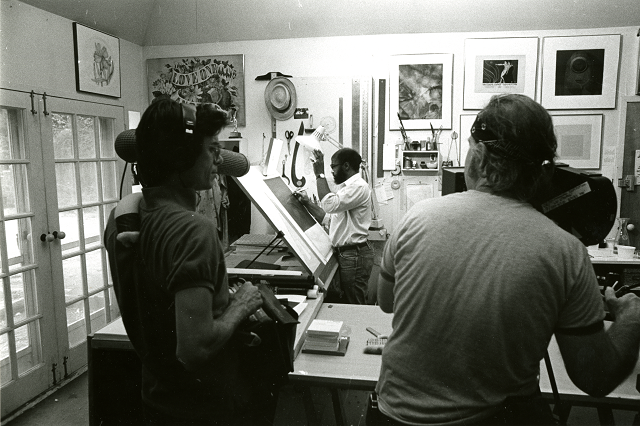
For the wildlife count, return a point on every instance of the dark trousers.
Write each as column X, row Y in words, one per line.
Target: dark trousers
column 354, row 270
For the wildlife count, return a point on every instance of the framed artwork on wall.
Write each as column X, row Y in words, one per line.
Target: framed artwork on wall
column 202, row 79
column 466, row 120
column 97, row 57
column 420, row 88
column 579, row 139
column 498, row 65
column 580, row 72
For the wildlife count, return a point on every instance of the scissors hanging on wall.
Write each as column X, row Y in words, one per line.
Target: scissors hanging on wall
column 288, row 136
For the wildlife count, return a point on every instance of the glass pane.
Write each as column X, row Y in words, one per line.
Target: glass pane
column 95, row 279
column 23, row 296
column 98, row 313
column 107, row 137
column 15, row 191
column 3, row 311
column 72, row 275
column 5, row 362
column 86, row 137
column 109, row 180
column 28, row 347
column 89, row 182
column 115, row 310
column 76, row 324
column 62, row 135
column 107, row 211
column 66, row 184
column 70, row 225
column 11, row 138
column 19, row 243
column 92, row 227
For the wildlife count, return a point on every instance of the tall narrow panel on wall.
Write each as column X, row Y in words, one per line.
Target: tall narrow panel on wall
column 420, row 90
column 498, row 65
column 355, row 114
column 580, row 72
column 382, row 96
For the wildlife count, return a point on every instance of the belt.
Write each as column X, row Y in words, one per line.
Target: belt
column 353, row 246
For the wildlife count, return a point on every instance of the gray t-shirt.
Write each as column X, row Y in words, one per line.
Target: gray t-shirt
column 480, row 284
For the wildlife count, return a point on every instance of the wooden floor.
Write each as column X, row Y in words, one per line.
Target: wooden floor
column 68, row 406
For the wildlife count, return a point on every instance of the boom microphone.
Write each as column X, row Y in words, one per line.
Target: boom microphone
column 234, row 163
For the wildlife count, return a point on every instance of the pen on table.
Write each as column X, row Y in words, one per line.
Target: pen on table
column 372, row 331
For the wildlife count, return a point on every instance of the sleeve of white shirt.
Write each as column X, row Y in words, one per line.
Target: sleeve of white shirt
column 345, row 199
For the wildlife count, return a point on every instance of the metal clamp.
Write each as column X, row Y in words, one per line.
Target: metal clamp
column 629, row 182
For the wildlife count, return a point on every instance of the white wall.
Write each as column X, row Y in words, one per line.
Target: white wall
column 37, row 54
column 368, row 55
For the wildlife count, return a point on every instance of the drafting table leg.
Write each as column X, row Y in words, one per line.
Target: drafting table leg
column 338, row 408
column 309, row 407
column 605, row 415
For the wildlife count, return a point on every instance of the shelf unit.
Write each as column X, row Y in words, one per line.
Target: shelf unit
column 422, row 159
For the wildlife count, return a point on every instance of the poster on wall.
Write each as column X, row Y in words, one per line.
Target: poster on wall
column 493, row 66
column 202, row 79
column 420, row 88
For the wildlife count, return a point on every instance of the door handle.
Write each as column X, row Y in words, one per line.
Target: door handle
column 50, row 236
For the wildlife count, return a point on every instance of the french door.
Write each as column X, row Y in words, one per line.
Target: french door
column 58, row 183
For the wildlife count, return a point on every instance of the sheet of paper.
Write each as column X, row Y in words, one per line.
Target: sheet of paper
column 292, row 298
column 418, row 192
column 299, row 308
column 388, row 157
column 380, row 194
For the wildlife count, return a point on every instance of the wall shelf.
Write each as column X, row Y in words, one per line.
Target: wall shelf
column 421, row 161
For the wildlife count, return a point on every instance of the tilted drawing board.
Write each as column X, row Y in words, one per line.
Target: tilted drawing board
column 305, row 237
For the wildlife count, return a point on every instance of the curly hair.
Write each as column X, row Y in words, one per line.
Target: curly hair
column 523, row 125
column 348, row 155
column 162, row 143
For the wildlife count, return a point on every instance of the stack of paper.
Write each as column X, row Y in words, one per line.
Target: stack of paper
column 323, row 335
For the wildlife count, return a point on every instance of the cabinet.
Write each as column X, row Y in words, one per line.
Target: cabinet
column 420, row 161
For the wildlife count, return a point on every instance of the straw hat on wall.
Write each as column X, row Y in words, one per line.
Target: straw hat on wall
column 280, row 98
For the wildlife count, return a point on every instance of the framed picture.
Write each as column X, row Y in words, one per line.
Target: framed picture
column 579, row 138
column 580, row 72
column 499, row 65
column 420, row 89
column 202, row 79
column 97, row 57
column 466, row 120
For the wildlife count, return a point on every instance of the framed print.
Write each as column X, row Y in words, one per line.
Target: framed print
column 579, row 138
column 580, row 72
column 203, row 79
column 466, row 121
column 420, row 89
column 97, row 57
column 499, row 65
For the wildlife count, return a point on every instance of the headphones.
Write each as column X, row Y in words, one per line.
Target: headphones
column 187, row 150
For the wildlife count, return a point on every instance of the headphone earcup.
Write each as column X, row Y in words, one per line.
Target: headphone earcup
column 187, row 150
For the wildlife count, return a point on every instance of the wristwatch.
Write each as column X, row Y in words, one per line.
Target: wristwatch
column 320, row 176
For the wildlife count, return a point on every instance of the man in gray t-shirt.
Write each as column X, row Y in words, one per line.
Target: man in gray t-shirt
column 480, row 281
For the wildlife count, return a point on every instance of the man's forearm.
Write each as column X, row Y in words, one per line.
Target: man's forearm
column 323, row 187
column 315, row 210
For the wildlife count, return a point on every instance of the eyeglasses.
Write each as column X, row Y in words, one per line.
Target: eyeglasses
column 216, row 151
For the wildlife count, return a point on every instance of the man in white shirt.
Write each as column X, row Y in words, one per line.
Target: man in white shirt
column 347, row 213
